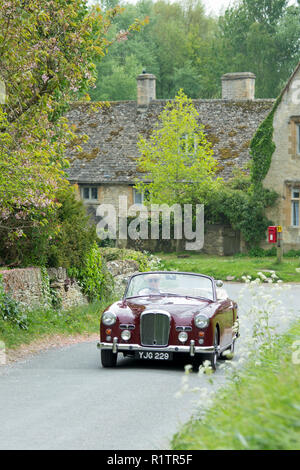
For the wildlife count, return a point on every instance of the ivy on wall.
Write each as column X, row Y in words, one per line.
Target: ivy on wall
column 262, row 147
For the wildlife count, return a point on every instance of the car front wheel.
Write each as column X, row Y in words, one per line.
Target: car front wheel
column 108, row 358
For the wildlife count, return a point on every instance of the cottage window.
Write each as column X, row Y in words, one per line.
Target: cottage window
column 89, row 193
column 138, row 197
column 295, row 206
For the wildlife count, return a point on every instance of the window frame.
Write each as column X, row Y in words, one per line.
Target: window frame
column 134, row 192
column 294, row 201
column 90, row 188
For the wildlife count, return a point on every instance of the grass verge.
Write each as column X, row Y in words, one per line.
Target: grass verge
column 42, row 322
column 260, row 411
column 222, row 266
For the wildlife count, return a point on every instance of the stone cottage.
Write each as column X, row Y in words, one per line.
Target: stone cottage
column 284, row 171
column 107, row 166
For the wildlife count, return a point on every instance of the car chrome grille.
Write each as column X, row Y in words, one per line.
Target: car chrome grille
column 155, row 329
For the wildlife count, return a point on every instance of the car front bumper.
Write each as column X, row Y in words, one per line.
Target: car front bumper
column 190, row 349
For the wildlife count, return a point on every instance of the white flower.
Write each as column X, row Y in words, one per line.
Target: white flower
column 187, row 368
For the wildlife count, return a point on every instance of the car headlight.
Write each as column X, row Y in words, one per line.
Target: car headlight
column 201, row 321
column 126, row 335
column 109, row 318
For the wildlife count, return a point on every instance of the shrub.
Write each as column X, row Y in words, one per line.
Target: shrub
column 75, row 235
column 93, row 277
column 63, row 240
column 292, row 253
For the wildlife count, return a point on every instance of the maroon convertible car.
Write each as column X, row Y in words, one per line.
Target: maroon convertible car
column 167, row 313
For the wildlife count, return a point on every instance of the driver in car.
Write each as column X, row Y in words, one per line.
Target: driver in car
column 152, row 286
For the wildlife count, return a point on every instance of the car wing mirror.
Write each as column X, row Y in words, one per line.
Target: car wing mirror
column 219, row 283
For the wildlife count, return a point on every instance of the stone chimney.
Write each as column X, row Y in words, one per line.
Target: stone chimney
column 146, row 88
column 238, row 86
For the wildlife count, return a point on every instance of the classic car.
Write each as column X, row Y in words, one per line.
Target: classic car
column 164, row 313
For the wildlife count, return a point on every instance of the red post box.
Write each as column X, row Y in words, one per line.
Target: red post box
column 272, row 234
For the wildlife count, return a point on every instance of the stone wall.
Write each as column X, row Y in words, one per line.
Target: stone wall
column 27, row 287
column 121, row 270
column 67, row 290
column 219, row 240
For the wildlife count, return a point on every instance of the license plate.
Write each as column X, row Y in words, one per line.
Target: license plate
column 154, row 355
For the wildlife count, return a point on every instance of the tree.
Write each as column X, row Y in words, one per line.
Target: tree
column 177, row 160
column 262, row 37
column 166, row 47
column 47, row 55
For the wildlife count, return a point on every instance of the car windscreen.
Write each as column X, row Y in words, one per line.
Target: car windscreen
column 170, row 283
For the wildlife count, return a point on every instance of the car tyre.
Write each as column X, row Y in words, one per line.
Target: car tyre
column 108, row 358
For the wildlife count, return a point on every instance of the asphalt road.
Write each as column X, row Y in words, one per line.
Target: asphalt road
column 64, row 399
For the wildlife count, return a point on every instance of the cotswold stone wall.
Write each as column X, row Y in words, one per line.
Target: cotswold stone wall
column 25, row 285
column 121, row 270
column 28, row 287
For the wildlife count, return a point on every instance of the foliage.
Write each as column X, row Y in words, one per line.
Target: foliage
column 258, row 252
column 262, row 147
column 177, row 159
column 44, row 322
column 163, row 47
column 10, row 310
column 186, row 48
column 64, row 241
column 292, row 253
column 47, row 51
column 47, row 54
column 74, row 230
column 95, row 281
column 260, row 407
column 240, row 205
column 50, row 295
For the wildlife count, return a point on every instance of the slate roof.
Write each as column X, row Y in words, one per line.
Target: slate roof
column 109, row 156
